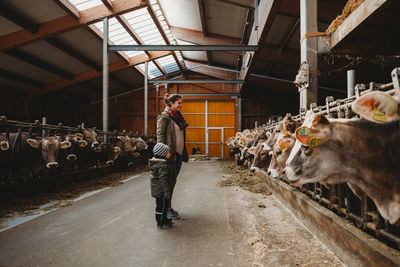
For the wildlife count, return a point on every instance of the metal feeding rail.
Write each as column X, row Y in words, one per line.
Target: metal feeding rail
column 339, row 198
column 11, row 166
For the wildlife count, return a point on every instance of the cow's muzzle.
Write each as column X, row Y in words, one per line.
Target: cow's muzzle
column 4, row 145
column 254, row 169
column 110, row 162
column 52, row 165
column 71, row 157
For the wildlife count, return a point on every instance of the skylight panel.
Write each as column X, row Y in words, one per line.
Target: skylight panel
column 154, row 72
column 81, row 5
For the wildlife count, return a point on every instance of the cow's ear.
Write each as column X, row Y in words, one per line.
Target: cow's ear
column 252, row 150
column 65, row 144
column 79, row 136
column 116, row 149
column 82, row 143
column 320, row 119
column 33, row 143
column 311, row 137
column 378, row 107
column 283, row 144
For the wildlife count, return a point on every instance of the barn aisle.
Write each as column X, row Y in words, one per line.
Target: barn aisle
column 116, row 227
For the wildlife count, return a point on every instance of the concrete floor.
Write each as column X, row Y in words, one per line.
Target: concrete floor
column 116, row 227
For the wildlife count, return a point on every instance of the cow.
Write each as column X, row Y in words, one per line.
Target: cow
column 361, row 153
column 262, row 157
column 280, row 153
column 139, row 144
column 4, row 155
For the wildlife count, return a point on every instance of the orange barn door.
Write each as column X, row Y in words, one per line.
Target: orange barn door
column 211, row 123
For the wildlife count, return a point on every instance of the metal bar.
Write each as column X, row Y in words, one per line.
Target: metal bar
column 222, row 142
column 208, row 113
column 206, row 121
column 309, row 51
column 196, row 81
column 239, row 114
column 146, row 96
column 183, row 47
column 351, row 82
column 105, row 77
column 205, row 94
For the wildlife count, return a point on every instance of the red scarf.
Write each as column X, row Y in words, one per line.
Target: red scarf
column 178, row 118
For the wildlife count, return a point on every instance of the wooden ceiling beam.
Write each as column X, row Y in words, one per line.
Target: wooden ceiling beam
column 203, row 17
column 73, row 53
column 22, row 79
column 164, row 36
column 242, row 3
column 35, row 61
column 197, row 37
column 68, row 8
column 214, row 72
column 99, row 35
column 17, row 17
column 108, row 4
column 92, row 74
column 67, row 23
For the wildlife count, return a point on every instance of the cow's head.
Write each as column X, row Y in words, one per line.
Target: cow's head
column 111, row 153
column 378, row 107
column 91, row 137
column 262, row 157
column 139, row 143
column 49, row 149
column 126, row 144
column 4, row 144
column 319, row 158
column 280, row 153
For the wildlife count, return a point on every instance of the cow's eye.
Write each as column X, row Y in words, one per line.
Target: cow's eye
column 279, row 152
column 306, row 150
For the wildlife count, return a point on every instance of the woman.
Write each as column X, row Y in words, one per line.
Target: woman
column 171, row 131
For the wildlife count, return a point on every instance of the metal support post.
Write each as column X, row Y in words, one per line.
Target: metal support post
column 351, row 82
column 105, row 77
column 146, row 97
column 44, row 122
column 309, row 52
column 239, row 114
column 395, row 78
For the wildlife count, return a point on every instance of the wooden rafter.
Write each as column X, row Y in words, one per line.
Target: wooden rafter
column 19, row 78
column 108, row 4
column 18, row 18
column 164, row 36
column 67, row 23
column 217, row 73
column 197, row 37
column 99, row 35
column 69, row 8
column 202, row 11
column 138, row 40
column 242, row 3
column 33, row 60
column 73, row 53
column 91, row 74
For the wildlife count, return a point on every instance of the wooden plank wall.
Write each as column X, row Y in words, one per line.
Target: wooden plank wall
column 127, row 110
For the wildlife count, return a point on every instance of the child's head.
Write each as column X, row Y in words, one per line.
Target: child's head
column 161, row 150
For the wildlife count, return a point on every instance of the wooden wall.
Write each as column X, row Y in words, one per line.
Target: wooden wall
column 263, row 107
column 127, row 110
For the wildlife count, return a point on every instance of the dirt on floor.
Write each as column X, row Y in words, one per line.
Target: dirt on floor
column 264, row 232
column 64, row 195
column 235, row 175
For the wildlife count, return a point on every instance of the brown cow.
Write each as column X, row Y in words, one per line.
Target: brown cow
column 49, row 149
column 361, row 153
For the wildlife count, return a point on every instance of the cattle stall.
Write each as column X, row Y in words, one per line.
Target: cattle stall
column 355, row 206
column 23, row 165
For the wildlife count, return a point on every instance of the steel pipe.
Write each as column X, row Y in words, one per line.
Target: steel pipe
column 182, row 47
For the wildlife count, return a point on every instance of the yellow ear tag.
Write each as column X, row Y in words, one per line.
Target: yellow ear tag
column 282, row 145
column 379, row 115
column 313, row 141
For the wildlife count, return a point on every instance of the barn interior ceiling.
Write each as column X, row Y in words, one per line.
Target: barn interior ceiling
column 53, row 48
